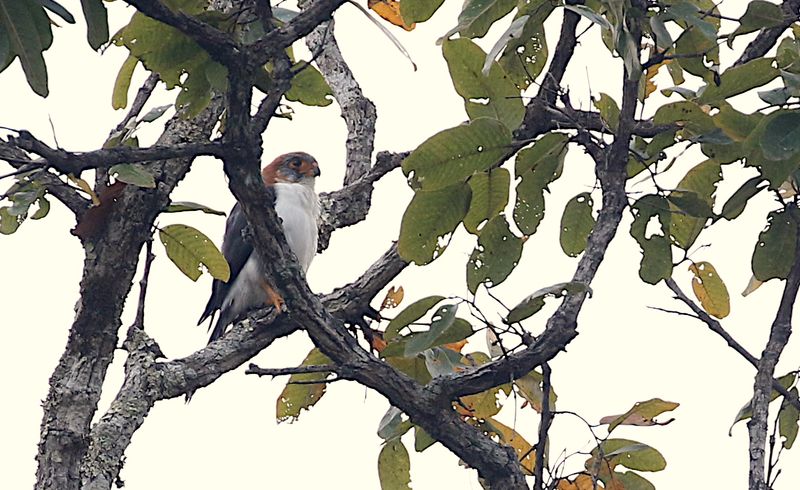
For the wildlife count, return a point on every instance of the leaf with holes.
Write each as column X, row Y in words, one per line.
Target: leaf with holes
column 643, row 412
column 133, row 174
column 410, row 314
column 787, row 420
column 656, row 252
column 443, row 319
column 453, row 155
column 738, row 80
column 477, row 16
column 301, row 391
column 630, row 454
column 393, row 424
column 191, row 250
column 489, row 197
column 774, row 252
column 394, row 296
column 530, row 388
column 491, row 95
column 538, row 167
column 309, row 87
column 510, row 437
column 710, row 290
column 430, row 220
column 533, row 303
column 577, row 223
column 692, row 202
column 496, row 255
column 609, row 110
column 524, row 57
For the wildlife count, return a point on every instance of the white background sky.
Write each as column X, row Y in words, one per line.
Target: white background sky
column 227, row 437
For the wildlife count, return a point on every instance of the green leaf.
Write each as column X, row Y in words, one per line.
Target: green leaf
column 493, row 95
column 530, row 387
column 441, row 361
column 410, row 314
column 455, row 154
column 533, row 303
column 429, row 221
column 609, row 110
column 760, row 14
column 414, row 367
column 154, row 113
column 392, row 425
column 656, row 252
column 631, row 454
column 646, row 410
column 738, row 80
column 687, row 115
column 182, row 206
column 418, row 10
column 422, row 440
column 133, row 174
column 119, row 97
column 590, row 14
column 394, row 466
column 735, row 205
column 781, row 137
column 787, row 421
column 44, row 208
column 28, row 30
column 9, row 222
column 633, row 481
column 774, row 252
column 309, row 87
column 301, row 392
column 736, row 125
column 525, row 56
column 477, row 17
column 777, row 162
column 57, row 9
column 496, row 255
column 537, row 166
column 692, row 202
column 577, row 223
column 746, row 412
column 190, row 250
column 442, row 320
column 96, row 22
column 489, row 197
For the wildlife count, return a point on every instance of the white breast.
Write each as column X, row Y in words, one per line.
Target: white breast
column 298, row 207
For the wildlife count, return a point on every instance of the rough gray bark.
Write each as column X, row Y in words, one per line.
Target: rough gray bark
column 110, row 263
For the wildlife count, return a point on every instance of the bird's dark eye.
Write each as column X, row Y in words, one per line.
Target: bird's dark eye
column 294, row 163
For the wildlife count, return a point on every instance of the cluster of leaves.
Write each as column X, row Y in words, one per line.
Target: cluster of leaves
column 26, row 32
column 460, row 175
column 181, row 62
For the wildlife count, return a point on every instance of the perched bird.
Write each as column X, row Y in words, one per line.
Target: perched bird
column 290, row 182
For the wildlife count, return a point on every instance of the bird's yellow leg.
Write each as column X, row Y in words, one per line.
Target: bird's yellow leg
column 273, row 297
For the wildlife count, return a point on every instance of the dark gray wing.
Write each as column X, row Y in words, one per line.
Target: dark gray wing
column 236, row 249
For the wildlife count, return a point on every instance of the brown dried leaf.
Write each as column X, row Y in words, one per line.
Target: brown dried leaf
column 393, row 298
column 389, row 10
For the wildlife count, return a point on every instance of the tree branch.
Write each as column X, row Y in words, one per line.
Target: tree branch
column 767, row 38
column 716, row 327
column 762, row 390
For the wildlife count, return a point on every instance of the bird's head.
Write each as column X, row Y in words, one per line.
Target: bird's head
column 292, row 168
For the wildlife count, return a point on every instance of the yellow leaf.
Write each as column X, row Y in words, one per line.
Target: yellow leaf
column 710, row 290
column 522, row 447
column 85, row 187
column 393, row 298
column 456, row 346
column 389, row 10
